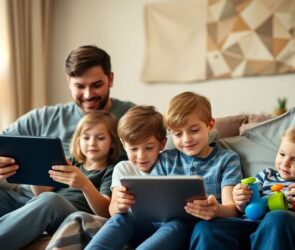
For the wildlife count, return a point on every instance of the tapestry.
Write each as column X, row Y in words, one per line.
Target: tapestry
column 196, row 40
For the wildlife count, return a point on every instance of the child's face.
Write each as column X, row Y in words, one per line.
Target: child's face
column 285, row 160
column 144, row 155
column 192, row 138
column 95, row 143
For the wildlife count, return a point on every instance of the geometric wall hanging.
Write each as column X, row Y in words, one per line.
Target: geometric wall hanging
column 195, row 40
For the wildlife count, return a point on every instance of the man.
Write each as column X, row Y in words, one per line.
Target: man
column 90, row 78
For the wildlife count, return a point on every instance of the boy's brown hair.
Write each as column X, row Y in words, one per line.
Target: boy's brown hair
column 289, row 134
column 140, row 123
column 185, row 104
column 89, row 120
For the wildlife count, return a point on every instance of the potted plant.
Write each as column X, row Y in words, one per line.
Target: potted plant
column 281, row 106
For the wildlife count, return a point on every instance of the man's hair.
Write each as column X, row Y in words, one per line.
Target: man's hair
column 86, row 57
column 289, row 134
column 185, row 104
column 140, row 123
column 90, row 120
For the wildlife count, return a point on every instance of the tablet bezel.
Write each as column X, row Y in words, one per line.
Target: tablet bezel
column 161, row 198
column 35, row 156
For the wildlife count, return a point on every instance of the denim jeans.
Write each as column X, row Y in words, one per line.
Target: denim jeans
column 123, row 229
column 23, row 218
column 275, row 231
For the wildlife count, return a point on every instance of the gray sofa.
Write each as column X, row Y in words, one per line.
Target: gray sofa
column 255, row 138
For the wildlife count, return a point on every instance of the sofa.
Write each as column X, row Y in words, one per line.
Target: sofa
column 254, row 137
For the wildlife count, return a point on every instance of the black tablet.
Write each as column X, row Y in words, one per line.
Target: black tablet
column 161, row 198
column 35, row 156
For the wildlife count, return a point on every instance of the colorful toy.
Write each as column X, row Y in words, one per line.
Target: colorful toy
column 258, row 206
column 277, row 199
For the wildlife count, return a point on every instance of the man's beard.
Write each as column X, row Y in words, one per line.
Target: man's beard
column 102, row 101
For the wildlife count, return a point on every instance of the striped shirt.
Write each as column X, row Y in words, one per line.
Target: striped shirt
column 269, row 177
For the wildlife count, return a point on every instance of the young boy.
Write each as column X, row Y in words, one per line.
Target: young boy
column 276, row 230
column 284, row 174
column 189, row 120
column 143, row 136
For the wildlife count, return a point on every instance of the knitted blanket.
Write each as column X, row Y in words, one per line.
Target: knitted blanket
column 76, row 231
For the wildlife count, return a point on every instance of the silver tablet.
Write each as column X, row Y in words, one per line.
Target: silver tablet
column 161, row 198
column 35, row 156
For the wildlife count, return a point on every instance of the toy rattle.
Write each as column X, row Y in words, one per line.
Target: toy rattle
column 258, row 206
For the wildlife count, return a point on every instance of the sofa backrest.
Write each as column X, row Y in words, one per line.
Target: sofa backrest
column 258, row 146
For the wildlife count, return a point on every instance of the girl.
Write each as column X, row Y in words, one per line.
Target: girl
column 95, row 147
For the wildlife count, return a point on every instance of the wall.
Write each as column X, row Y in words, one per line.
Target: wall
column 118, row 27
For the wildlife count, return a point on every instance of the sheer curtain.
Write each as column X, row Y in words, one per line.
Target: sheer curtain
column 24, row 52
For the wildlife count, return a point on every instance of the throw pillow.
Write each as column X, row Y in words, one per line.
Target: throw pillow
column 254, row 120
column 258, row 146
column 229, row 126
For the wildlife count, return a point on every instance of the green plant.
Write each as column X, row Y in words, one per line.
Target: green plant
column 282, row 102
column 281, row 107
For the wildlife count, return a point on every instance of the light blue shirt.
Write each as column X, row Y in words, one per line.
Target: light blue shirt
column 220, row 168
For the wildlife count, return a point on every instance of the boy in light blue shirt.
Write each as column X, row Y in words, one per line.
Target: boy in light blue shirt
column 189, row 120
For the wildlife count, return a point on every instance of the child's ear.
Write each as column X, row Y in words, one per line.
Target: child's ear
column 163, row 144
column 123, row 144
column 211, row 124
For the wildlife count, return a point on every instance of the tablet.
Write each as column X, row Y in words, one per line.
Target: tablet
column 161, row 198
column 35, row 156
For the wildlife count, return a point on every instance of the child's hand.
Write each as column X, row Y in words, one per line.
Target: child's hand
column 70, row 175
column 291, row 193
column 241, row 195
column 121, row 199
column 203, row 209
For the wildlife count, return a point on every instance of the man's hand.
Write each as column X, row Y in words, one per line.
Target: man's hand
column 7, row 167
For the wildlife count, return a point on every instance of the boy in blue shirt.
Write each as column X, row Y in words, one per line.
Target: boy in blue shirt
column 189, row 120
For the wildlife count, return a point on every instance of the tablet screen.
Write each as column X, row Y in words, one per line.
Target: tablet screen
column 35, row 156
column 161, row 198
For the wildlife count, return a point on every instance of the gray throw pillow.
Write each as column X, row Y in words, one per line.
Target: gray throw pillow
column 257, row 146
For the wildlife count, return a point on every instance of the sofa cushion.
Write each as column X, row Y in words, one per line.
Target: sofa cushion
column 254, row 120
column 258, row 146
column 229, row 126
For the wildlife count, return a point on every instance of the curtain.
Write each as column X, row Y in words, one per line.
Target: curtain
column 24, row 83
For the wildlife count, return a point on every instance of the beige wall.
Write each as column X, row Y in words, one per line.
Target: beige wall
column 117, row 26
